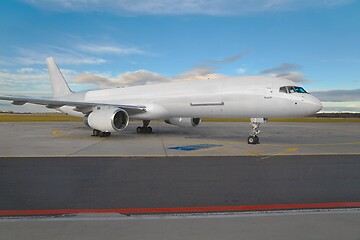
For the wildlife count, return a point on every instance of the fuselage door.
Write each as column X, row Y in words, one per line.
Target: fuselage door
column 268, row 90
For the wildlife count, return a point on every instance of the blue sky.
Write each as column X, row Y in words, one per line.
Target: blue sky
column 100, row 44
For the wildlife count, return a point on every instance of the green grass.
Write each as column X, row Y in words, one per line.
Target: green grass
column 38, row 118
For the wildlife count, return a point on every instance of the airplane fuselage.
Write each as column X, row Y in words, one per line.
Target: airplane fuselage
column 232, row 97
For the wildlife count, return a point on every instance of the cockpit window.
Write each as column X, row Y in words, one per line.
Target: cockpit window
column 283, row 89
column 300, row 90
column 292, row 89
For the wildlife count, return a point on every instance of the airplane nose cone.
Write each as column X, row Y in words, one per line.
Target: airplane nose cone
column 316, row 105
column 319, row 106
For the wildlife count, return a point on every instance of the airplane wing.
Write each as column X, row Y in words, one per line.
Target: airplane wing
column 84, row 107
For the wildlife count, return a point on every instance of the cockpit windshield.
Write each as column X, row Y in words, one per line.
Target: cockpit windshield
column 292, row 89
column 300, row 90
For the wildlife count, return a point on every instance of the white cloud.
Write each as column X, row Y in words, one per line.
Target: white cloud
column 287, row 71
column 62, row 56
column 30, row 82
column 293, row 76
column 143, row 77
column 108, row 49
column 206, row 70
column 99, row 80
column 177, row 7
column 199, row 74
column 341, row 106
column 80, row 53
column 24, row 75
column 139, row 77
column 283, row 68
column 241, row 70
column 8, row 107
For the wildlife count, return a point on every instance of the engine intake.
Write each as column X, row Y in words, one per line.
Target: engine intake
column 107, row 120
column 184, row 122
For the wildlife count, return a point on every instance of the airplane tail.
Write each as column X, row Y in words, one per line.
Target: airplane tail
column 58, row 84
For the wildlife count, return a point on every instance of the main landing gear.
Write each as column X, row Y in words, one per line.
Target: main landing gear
column 145, row 127
column 97, row 133
column 255, row 123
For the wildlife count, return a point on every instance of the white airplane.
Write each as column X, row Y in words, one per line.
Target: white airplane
column 181, row 103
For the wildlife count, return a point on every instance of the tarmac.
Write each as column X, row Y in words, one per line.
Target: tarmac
column 300, row 182
column 341, row 224
column 209, row 139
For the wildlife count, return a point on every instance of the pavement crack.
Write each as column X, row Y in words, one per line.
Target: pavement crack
column 92, row 145
column 162, row 142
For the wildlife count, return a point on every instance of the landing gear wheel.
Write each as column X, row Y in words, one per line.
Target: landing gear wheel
column 104, row 134
column 138, row 129
column 149, row 129
column 145, row 128
column 95, row 133
column 253, row 140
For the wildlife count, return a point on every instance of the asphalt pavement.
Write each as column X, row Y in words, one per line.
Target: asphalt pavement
column 50, row 183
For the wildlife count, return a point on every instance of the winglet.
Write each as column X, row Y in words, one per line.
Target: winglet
column 58, row 84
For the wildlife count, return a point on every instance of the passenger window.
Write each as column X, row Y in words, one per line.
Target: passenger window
column 283, row 90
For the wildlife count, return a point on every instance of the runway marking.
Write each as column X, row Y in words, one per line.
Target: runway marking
column 256, row 152
column 219, row 149
column 55, row 133
column 208, row 209
column 289, row 150
column 195, row 147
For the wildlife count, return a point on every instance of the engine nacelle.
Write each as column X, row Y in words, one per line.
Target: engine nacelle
column 107, row 120
column 184, row 122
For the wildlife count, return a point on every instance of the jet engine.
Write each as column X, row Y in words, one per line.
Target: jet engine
column 107, row 120
column 184, row 122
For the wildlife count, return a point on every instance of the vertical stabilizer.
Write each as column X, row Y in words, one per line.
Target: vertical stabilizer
column 58, row 84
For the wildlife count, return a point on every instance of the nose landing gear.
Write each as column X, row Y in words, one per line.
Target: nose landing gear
column 255, row 123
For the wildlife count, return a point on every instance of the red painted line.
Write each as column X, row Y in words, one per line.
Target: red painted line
column 184, row 209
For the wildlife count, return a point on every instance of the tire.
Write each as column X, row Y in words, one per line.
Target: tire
column 95, row 133
column 139, row 130
column 251, row 140
column 149, row 130
column 104, row 134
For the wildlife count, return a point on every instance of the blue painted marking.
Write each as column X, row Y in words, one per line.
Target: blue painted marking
column 195, row 147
